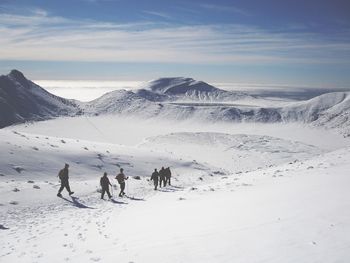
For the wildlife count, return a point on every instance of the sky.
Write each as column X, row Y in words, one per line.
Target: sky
column 289, row 42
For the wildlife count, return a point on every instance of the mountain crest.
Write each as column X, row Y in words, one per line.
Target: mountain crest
column 22, row 100
column 17, row 75
column 178, row 86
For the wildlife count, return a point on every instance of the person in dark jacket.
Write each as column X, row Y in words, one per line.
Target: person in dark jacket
column 121, row 180
column 63, row 175
column 154, row 178
column 162, row 177
column 104, row 182
column 167, row 176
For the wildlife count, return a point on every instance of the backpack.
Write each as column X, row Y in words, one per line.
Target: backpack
column 60, row 174
column 120, row 178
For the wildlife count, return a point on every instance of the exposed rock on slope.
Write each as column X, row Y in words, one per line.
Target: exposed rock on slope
column 22, row 100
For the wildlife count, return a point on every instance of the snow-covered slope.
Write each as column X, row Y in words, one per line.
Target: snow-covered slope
column 186, row 89
column 22, row 100
column 173, row 99
column 293, row 213
column 186, row 98
column 232, row 152
column 290, row 204
column 30, row 163
column 331, row 110
column 120, row 102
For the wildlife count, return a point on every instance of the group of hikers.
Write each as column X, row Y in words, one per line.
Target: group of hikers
column 105, row 183
column 163, row 177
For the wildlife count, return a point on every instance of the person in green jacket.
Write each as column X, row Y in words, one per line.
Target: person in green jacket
column 105, row 183
column 154, row 178
column 121, row 178
column 63, row 175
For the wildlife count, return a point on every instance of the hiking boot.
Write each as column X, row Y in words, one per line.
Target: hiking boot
column 71, row 193
column 59, row 195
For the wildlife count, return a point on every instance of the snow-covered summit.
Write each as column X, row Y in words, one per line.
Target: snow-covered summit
column 23, row 100
column 185, row 89
column 179, row 85
column 18, row 76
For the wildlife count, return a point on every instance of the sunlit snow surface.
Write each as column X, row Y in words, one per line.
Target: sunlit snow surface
column 243, row 192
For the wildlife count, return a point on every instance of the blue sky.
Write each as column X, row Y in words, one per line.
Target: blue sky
column 262, row 41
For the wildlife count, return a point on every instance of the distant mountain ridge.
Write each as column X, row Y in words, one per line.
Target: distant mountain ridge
column 185, row 89
column 175, row 86
column 171, row 98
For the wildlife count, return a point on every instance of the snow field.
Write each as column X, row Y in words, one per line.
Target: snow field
column 290, row 213
column 237, row 196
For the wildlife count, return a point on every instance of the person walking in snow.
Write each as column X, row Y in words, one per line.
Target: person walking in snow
column 63, row 175
column 154, row 178
column 121, row 180
column 167, row 176
column 162, row 177
column 104, row 182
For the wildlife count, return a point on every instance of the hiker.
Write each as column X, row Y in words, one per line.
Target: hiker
column 162, row 177
column 121, row 180
column 104, row 182
column 63, row 175
column 167, row 176
column 154, row 178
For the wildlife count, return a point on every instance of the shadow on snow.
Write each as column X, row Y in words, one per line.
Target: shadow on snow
column 135, row 198
column 2, row 227
column 118, row 202
column 76, row 203
column 172, row 189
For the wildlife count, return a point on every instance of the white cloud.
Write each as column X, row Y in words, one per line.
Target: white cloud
column 42, row 37
column 222, row 8
column 40, row 12
column 158, row 14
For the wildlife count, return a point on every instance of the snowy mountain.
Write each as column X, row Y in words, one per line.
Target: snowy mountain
column 186, row 98
column 118, row 102
column 166, row 97
column 22, row 100
column 185, row 89
column 243, row 192
column 331, row 110
column 172, row 98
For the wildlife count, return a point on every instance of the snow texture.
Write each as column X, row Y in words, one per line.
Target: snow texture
column 234, row 197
